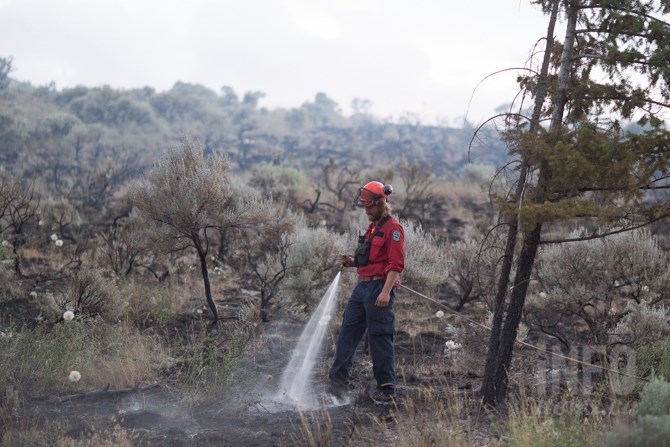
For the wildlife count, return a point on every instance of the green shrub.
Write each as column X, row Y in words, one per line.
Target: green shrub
column 206, row 365
column 654, row 400
column 528, row 428
column 651, row 419
column 647, row 431
column 654, row 359
column 313, row 256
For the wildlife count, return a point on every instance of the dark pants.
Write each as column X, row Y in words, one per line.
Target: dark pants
column 360, row 314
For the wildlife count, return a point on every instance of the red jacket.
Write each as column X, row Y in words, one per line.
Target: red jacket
column 387, row 249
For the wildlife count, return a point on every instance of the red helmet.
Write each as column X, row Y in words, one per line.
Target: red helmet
column 372, row 193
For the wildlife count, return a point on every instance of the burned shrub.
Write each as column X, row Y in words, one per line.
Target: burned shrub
column 89, row 293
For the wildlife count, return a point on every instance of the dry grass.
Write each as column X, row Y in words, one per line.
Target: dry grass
column 117, row 437
column 31, row 253
column 28, row 432
column 146, row 304
column 32, row 432
column 40, row 361
column 448, row 421
column 532, row 423
column 315, row 430
column 442, row 416
column 133, row 360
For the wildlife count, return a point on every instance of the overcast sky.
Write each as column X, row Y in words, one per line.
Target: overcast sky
column 421, row 56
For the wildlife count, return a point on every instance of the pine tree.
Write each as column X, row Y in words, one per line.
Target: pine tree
column 610, row 69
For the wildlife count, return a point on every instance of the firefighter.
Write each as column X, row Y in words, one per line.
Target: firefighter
column 379, row 261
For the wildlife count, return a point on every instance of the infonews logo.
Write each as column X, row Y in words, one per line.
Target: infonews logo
column 583, row 369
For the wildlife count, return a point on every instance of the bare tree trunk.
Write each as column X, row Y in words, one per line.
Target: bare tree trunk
column 513, row 318
column 488, row 389
column 464, row 298
column 17, row 260
column 221, row 255
column 265, row 300
column 531, row 237
column 205, row 277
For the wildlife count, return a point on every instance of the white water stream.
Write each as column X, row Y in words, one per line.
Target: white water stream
column 295, row 386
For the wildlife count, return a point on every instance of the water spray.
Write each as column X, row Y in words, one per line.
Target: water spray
column 295, row 386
